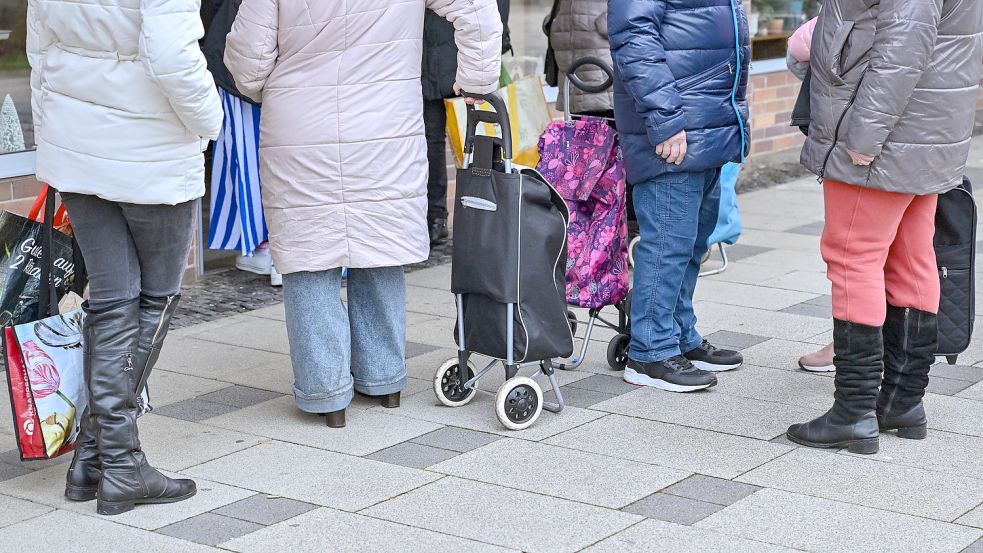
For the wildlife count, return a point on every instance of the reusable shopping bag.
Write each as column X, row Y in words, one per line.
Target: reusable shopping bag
column 21, row 262
column 529, row 115
column 582, row 160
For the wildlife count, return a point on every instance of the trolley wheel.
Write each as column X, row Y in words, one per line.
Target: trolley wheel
column 618, row 352
column 631, row 249
column 572, row 319
column 519, row 403
column 448, row 385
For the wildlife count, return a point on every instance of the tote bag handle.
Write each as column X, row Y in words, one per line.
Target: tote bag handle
column 47, row 293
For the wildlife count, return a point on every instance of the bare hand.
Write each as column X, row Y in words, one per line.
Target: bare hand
column 467, row 99
column 674, row 149
column 861, row 160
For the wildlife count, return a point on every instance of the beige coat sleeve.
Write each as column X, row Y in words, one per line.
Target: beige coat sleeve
column 478, row 34
column 252, row 47
column 169, row 35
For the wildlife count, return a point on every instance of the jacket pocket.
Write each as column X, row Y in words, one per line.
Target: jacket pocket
column 840, row 38
column 702, row 77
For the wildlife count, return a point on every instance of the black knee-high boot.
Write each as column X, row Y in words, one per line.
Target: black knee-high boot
column 852, row 421
column 910, row 340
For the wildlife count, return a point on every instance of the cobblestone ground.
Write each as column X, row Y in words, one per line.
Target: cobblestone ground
column 620, row 470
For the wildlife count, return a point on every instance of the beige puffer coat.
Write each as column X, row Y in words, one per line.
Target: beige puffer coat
column 123, row 102
column 581, row 30
column 343, row 157
column 897, row 80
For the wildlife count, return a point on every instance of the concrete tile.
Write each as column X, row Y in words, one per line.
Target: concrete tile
column 502, row 516
column 737, row 252
column 747, row 273
column 943, row 452
column 946, row 386
column 460, row 440
column 174, row 444
column 798, row 388
column 414, row 349
column 821, row 339
column 813, row 282
column 760, row 322
column 265, row 510
column 810, row 310
column 957, row 372
column 193, row 410
column 12, row 457
column 368, row 430
column 240, row 396
column 823, row 301
column 711, row 410
column 59, row 531
column 711, row 490
column 212, row 360
column 673, row 508
column 852, row 479
column 167, row 388
column 747, row 295
column 409, row 454
column 693, row 450
column 251, row 332
column 778, row 354
column 276, row 376
column 954, row 414
column 429, row 301
column 614, row 385
column 209, row 529
column 431, row 329
column 812, row 229
column 48, row 487
column 438, row 278
column 275, row 312
column 537, row 468
column 8, row 471
column 976, row 547
column 974, row 392
column 328, row 530
column 312, row 475
column 655, row 535
column 785, row 259
column 13, row 510
column 784, row 241
column 578, row 397
column 789, row 519
column 480, row 415
column 735, row 340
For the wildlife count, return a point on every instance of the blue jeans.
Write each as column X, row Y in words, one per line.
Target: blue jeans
column 335, row 350
column 676, row 214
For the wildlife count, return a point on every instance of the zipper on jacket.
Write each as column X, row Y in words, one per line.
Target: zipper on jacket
column 839, row 124
column 945, row 272
column 129, row 362
column 737, row 78
column 160, row 327
column 696, row 80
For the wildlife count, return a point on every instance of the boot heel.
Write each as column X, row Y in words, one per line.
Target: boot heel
column 80, row 494
column 913, row 432
column 864, row 447
column 335, row 419
column 390, row 401
column 109, row 509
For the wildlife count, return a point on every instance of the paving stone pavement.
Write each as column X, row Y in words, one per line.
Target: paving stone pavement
column 621, row 470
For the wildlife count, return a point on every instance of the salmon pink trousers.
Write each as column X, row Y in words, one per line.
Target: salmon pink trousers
column 878, row 247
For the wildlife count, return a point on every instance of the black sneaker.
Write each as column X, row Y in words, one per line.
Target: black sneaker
column 438, row 232
column 673, row 375
column 709, row 358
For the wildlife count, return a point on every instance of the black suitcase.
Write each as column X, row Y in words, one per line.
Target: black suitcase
column 955, row 248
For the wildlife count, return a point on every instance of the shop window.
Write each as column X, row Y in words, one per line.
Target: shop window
column 771, row 22
column 16, row 128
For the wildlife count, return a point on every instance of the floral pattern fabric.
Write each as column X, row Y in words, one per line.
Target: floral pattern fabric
column 582, row 160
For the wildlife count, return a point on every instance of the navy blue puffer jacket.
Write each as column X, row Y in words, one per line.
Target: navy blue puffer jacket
column 680, row 65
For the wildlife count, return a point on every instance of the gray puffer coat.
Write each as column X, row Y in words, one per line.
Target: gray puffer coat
column 581, row 30
column 897, row 80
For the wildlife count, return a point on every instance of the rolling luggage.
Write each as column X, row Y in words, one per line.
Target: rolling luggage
column 955, row 250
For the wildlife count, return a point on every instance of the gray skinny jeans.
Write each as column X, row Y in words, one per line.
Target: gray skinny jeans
column 131, row 250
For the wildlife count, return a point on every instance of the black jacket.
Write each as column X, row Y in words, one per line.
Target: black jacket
column 440, row 53
column 214, row 45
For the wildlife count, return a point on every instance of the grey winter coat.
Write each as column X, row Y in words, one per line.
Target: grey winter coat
column 579, row 30
column 897, row 80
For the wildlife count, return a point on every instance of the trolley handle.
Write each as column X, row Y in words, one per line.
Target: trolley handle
column 499, row 116
column 587, row 61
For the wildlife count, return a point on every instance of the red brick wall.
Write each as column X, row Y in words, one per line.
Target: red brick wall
column 772, row 97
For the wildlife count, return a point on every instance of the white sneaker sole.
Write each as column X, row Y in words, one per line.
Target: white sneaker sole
column 823, row 369
column 638, row 379
column 710, row 367
column 254, row 269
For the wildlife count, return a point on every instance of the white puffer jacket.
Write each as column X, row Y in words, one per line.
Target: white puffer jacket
column 123, row 103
